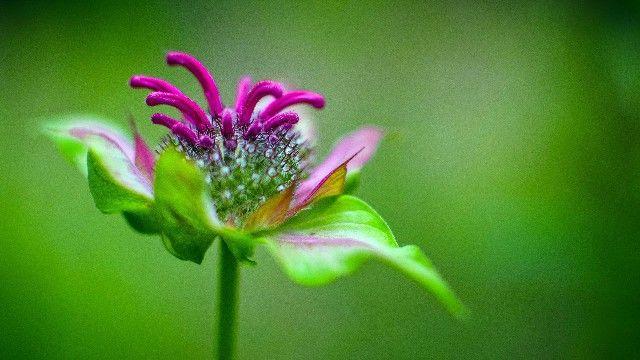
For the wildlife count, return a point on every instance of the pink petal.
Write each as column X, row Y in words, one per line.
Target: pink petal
column 203, row 76
column 366, row 139
column 293, row 98
column 144, row 158
column 355, row 149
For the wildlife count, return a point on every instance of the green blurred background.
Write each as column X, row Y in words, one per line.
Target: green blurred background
column 512, row 159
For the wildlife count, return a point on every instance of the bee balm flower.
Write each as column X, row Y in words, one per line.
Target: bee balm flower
column 242, row 175
column 248, row 154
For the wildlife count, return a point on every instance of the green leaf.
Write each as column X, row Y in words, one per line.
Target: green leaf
column 106, row 157
column 118, row 187
column 187, row 215
column 144, row 221
column 114, row 186
column 335, row 236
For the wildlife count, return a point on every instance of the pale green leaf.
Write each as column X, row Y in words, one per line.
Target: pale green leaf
column 115, row 183
column 335, row 236
column 75, row 135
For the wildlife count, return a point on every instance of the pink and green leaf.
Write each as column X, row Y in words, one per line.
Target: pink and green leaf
column 112, row 166
column 335, row 236
column 105, row 156
column 331, row 185
column 75, row 135
column 114, row 191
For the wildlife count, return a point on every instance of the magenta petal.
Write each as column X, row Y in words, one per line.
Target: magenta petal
column 356, row 148
column 259, row 90
column 182, row 103
column 164, row 120
column 293, row 98
column 158, row 85
column 281, row 119
column 205, row 141
column 227, row 123
column 154, row 84
column 244, row 85
column 253, row 130
column 203, row 76
column 176, row 127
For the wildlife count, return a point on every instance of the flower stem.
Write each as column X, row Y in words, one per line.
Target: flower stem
column 227, row 302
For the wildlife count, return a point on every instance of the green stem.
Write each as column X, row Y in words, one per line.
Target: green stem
column 227, row 302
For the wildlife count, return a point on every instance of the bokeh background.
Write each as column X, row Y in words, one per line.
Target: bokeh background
column 512, row 159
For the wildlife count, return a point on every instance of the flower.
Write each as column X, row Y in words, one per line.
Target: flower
column 248, row 154
column 242, row 174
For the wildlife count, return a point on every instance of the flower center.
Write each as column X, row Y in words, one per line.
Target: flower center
column 244, row 176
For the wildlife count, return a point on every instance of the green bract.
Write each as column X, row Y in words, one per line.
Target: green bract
column 336, row 235
column 317, row 236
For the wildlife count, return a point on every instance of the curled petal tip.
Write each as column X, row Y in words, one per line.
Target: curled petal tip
column 140, row 81
column 316, row 100
column 293, row 98
column 134, row 81
column 287, row 118
column 203, row 76
column 151, row 83
column 164, row 120
column 172, row 56
column 153, row 99
column 259, row 91
column 182, row 103
column 178, row 58
column 244, row 86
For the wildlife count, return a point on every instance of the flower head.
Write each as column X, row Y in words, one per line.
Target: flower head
column 250, row 151
column 242, row 174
